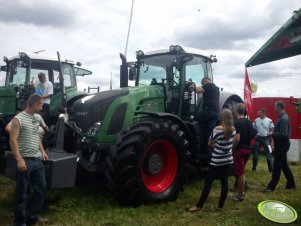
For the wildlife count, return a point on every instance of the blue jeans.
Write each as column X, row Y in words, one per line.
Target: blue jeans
column 265, row 142
column 35, row 177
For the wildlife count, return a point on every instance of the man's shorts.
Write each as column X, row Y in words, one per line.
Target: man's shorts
column 240, row 157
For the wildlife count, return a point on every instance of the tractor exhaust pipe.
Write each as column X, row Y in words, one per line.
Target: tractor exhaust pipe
column 124, row 76
column 61, row 79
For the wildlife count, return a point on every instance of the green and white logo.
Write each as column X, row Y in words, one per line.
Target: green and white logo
column 277, row 211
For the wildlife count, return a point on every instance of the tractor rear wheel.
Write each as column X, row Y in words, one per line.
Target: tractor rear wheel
column 148, row 162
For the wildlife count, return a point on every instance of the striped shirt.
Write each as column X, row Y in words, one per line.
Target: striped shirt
column 28, row 139
column 222, row 151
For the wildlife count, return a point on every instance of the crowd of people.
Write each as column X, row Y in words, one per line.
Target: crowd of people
column 231, row 143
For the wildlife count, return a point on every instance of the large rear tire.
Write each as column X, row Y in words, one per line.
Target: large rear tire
column 148, row 163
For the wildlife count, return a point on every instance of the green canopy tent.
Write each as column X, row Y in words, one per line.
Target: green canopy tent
column 286, row 42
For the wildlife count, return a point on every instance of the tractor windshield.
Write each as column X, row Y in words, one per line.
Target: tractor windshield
column 154, row 69
column 161, row 68
column 196, row 69
column 21, row 72
column 16, row 74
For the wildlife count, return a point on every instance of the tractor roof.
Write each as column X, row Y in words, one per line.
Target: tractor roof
column 286, row 42
column 40, row 56
column 185, row 49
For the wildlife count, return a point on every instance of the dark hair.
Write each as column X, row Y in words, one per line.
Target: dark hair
column 205, row 78
column 262, row 110
column 34, row 99
column 240, row 109
column 61, row 109
column 280, row 105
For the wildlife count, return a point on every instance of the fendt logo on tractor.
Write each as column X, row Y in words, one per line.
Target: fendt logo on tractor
column 144, row 137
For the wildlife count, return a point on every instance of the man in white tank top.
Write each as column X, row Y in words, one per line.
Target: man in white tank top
column 28, row 152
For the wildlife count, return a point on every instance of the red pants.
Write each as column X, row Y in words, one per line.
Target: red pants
column 240, row 157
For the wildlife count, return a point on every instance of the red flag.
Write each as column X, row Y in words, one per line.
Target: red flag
column 248, row 94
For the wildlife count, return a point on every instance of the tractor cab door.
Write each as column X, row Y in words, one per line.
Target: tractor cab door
column 13, row 87
column 7, row 96
column 172, row 90
column 69, row 84
column 194, row 71
column 8, row 102
column 70, row 74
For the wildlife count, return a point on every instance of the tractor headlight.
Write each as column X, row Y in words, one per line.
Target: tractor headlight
column 175, row 48
column 139, row 54
column 22, row 54
column 94, row 129
column 5, row 59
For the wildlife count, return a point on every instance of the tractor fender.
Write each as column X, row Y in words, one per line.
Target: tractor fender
column 174, row 118
column 229, row 100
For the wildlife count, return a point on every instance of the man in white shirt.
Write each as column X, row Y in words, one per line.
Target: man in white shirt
column 44, row 89
column 264, row 126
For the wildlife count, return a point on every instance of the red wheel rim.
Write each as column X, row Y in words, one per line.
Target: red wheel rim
column 160, row 181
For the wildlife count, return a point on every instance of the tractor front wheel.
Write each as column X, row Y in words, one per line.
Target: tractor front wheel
column 148, row 163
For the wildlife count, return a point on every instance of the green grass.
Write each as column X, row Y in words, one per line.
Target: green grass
column 91, row 204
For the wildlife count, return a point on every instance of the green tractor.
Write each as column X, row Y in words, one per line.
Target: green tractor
column 144, row 137
column 19, row 73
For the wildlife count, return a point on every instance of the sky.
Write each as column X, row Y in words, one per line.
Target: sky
column 95, row 31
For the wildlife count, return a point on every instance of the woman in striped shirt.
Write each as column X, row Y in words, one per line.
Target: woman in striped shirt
column 221, row 141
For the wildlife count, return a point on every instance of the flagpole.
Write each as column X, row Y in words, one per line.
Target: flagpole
column 129, row 29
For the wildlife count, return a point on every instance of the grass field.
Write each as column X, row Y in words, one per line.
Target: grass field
column 91, row 204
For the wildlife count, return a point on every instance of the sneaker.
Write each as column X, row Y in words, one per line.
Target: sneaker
column 42, row 220
column 253, row 169
column 217, row 209
column 233, row 190
column 35, row 221
column 237, row 198
column 290, row 187
column 268, row 190
column 194, row 209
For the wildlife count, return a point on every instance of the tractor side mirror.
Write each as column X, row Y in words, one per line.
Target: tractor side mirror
column 292, row 101
column 3, row 68
column 177, row 63
column 132, row 72
column 13, row 71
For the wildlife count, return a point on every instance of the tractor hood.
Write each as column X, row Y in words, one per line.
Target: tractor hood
column 92, row 108
column 115, row 109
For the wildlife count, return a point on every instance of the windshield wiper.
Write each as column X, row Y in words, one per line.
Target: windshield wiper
column 146, row 69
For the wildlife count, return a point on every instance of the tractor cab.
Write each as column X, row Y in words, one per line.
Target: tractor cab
column 21, row 72
column 178, row 70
